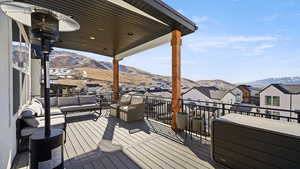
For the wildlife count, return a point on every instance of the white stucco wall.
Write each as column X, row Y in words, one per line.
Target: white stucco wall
column 194, row 94
column 237, row 92
column 229, row 98
column 7, row 123
column 285, row 100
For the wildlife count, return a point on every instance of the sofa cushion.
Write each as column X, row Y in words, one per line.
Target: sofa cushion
column 32, row 122
column 55, row 110
column 27, row 113
column 53, row 101
column 87, row 100
column 114, row 106
column 67, row 101
column 89, row 106
column 70, row 108
column 124, row 108
column 34, row 108
column 137, row 100
column 125, row 99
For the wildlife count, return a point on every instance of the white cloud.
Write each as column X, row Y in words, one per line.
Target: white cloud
column 270, row 18
column 260, row 49
column 254, row 45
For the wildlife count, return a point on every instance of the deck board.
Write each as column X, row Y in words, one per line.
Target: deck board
column 110, row 143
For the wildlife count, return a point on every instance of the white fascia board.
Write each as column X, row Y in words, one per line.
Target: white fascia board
column 132, row 8
column 148, row 45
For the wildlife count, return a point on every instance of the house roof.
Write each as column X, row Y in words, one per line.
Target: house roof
column 287, row 88
column 118, row 28
column 249, row 88
column 210, row 92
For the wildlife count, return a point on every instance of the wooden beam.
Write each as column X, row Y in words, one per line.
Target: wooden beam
column 115, row 80
column 176, row 75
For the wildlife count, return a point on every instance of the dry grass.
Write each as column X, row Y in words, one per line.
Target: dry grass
column 107, row 75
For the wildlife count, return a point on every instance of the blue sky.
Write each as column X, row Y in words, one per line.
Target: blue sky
column 237, row 41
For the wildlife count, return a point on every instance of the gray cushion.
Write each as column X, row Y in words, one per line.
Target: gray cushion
column 137, row 100
column 89, row 106
column 70, row 108
column 32, row 122
column 27, row 113
column 124, row 108
column 125, row 99
column 115, row 106
column 35, row 108
column 40, row 121
column 55, row 110
column 53, row 101
column 67, row 101
column 87, row 100
column 57, row 122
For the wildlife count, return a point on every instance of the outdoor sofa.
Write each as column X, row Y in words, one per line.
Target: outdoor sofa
column 78, row 103
column 32, row 118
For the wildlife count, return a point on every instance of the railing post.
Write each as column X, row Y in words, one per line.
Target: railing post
column 147, row 106
column 223, row 109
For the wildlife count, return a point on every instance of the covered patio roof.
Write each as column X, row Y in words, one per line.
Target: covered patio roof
column 118, row 28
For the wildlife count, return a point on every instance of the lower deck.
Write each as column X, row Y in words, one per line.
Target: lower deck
column 106, row 142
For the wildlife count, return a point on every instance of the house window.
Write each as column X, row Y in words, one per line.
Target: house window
column 238, row 98
column 268, row 100
column 276, row 101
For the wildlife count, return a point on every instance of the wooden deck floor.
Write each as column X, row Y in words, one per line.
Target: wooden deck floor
column 107, row 143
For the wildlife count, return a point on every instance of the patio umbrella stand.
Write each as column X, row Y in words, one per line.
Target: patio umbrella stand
column 46, row 147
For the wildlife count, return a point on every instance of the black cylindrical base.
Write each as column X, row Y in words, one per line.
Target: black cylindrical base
column 47, row 152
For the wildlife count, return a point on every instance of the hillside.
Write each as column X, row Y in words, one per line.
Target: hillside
column 100, row 72
column 221, row 84
column 284, row 80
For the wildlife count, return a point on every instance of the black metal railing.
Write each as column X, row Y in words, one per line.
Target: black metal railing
column 200, row 113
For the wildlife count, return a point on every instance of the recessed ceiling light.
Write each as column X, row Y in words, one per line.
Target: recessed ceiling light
column 92, row 38
column 130, row 33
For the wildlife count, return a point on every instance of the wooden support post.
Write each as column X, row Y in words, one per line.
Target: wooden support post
column 115, row 80
column 176, row 75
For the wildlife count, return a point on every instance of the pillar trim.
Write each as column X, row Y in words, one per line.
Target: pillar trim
column 176, row 75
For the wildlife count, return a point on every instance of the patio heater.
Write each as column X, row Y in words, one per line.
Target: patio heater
column 46, row 149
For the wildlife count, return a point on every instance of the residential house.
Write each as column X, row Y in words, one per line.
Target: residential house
column 281, row 96
column 250, row 94
column 233, row 96
column 206, row 94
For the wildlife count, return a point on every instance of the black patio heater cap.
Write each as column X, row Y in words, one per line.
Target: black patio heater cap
column 46, row 147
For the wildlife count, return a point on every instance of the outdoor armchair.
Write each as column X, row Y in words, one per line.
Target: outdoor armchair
column 134, row 111
column 124, row 101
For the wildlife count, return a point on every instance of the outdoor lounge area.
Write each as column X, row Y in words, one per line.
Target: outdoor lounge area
column 123, row 130
column 107, row 142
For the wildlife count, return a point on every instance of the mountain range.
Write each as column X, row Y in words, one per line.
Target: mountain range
column 283, row 80
column 100, row 72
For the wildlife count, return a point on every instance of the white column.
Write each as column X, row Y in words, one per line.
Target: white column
column 35, row 77
column 7, row 120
